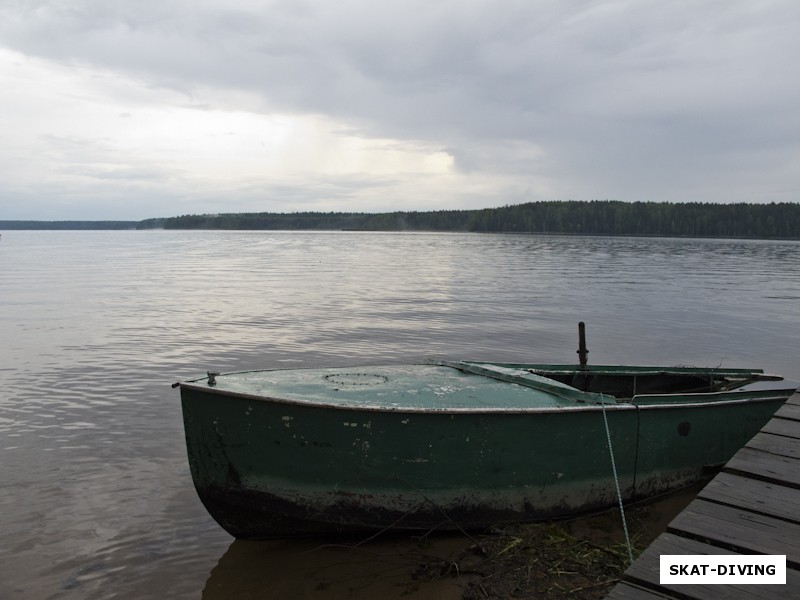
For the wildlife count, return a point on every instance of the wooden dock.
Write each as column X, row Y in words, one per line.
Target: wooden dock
column 751, row 507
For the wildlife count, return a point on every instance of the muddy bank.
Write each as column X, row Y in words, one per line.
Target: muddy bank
column 577, row 559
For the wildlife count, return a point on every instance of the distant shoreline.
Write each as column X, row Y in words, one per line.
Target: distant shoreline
column 28, row 225
column 596, row 217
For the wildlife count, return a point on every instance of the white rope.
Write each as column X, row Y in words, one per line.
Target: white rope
column 616, row 483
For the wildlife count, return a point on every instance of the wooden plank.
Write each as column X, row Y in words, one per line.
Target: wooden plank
column 786, row 427
column 780, row 426
column 627, row 591
column 757, row 496
column 645, row 573
column 646, row 569
column 766, row 467
column 776, row 444
column 738, row 530
column 789, row 411
column 794, row 399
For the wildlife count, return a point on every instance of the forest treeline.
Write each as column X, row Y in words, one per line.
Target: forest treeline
column 597, row 217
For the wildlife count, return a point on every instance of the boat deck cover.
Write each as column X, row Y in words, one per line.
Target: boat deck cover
column 425, row 387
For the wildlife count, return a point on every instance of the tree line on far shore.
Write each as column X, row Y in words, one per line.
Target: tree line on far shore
column 597, row 217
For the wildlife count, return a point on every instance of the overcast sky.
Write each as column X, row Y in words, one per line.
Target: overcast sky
column 129, row 109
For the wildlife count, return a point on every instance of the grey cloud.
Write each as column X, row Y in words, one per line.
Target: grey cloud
column 632, row 99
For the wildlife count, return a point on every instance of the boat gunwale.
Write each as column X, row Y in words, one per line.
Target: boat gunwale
column 583, row 407
column 559, row 369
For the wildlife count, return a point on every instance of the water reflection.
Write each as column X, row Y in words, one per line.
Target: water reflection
column 337, row 569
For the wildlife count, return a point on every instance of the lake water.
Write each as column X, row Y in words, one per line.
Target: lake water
column 96, row 499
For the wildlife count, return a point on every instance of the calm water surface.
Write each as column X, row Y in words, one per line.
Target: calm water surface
column 96, row 498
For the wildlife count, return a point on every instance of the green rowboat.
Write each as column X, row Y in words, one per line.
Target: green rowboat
column 456, row 445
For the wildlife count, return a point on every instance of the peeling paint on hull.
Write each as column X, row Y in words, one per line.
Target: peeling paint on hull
column 266, row 467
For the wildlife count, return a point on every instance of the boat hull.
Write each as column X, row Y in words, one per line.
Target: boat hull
column 268, row 467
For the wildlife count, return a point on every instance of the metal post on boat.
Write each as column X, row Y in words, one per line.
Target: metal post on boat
column 582, row 351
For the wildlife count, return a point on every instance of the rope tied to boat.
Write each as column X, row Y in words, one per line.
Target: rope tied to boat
column 616, row 483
